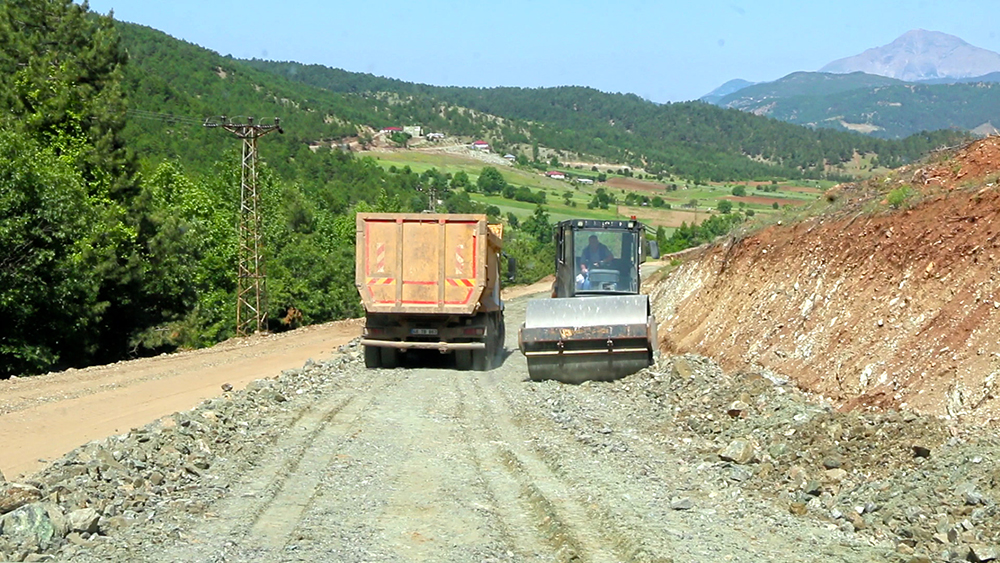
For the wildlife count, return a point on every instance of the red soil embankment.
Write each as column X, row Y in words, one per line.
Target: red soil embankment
column 897, row 309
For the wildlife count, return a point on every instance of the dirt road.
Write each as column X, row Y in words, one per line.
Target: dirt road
column 433, row 464
column 42, row 418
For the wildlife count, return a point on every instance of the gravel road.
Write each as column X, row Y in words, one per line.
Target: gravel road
column 334, row 462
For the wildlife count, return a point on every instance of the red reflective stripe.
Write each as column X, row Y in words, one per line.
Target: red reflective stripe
column 368, row 252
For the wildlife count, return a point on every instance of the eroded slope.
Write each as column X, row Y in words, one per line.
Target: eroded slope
column 892, row 308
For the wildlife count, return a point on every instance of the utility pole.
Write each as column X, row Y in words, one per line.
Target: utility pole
column 251, row 278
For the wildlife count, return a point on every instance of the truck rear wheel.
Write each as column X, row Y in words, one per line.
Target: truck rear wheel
column 481, row 359
column 389, row 357
column 372, row 357
column 463, row 360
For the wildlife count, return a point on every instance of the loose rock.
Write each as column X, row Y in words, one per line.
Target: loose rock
column 84, row 520
column 738, row 451
column 30, row 525
column 684, row 503
column 16, row 495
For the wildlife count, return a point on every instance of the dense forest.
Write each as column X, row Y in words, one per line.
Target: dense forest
column 117, row 238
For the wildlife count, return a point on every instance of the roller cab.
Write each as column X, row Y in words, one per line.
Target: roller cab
column 597, row 326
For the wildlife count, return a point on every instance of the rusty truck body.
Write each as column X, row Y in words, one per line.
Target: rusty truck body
column 430, row 281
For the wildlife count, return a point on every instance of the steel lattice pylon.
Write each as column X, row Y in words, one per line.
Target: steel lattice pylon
column 251, row 276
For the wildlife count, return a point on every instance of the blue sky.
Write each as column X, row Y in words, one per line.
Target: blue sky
column 663, row 51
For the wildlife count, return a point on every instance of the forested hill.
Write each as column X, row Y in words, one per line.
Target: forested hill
column 692, row 138
column 882, row 107
column 168, row 77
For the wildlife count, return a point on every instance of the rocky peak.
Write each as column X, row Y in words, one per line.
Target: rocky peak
column 920, row 55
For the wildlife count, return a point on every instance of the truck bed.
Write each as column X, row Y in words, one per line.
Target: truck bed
column 424, row 263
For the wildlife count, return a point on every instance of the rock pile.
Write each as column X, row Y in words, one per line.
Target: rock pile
column 929, row 488
column 146, row 477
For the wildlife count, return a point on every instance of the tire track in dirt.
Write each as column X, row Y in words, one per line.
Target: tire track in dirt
column 635, row 475
column 572, row 523
column 271, row 498
column 527, row 521
column 299, row 487
column 435, row 509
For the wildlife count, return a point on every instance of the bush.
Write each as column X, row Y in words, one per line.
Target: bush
column 899, row 196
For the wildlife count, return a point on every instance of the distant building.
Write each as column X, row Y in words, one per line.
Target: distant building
column 434, row 136
column 584, row 181
column 510, row 157
column 481, row 145
column 413, row 130
column 391, row 130
column 556, row 175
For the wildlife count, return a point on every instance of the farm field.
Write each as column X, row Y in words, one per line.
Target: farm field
column 566, row 200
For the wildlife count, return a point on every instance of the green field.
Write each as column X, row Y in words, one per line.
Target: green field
column 708, row 196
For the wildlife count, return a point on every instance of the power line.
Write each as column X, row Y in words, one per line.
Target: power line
column 165, row 117
column 251, row 278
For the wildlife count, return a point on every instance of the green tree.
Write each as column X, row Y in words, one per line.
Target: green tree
column 661, row 237
column 725, row 206
column 898, row 196
column 53, row 240
column 490, row 181
column 60, row 83
column 538, row 225
column 459, row 180
column 459, row 202
column 739, row 191
column 401, row 139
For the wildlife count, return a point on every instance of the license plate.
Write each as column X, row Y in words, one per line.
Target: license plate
column 424, row 331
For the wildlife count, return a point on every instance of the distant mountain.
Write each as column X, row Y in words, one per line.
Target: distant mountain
column 754, row 97
column 921, row 55
column 726, row 89
column 890, row 111
column 922, row 81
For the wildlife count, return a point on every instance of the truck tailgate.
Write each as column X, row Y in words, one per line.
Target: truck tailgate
column 422, row 263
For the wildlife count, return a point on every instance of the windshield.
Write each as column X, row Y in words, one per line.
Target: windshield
column 605, row 261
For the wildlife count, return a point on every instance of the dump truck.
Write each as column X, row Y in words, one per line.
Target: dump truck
column 596, row 326
column 430, row 281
